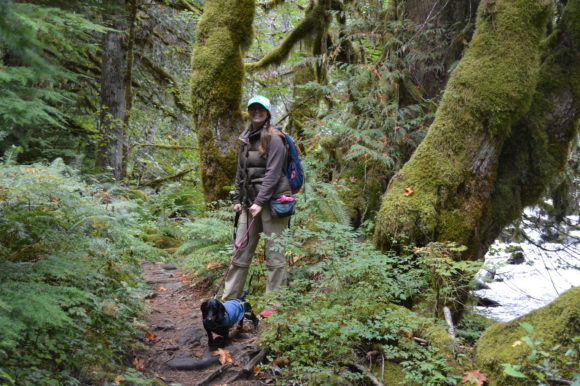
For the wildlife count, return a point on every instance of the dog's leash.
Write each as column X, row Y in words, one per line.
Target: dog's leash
column 237, row 247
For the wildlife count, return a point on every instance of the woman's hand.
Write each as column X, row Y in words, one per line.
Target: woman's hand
column 237, row 207
column 255, row 209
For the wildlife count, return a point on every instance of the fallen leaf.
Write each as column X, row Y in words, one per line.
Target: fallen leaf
column 117, row 380
column 210, row 265
column 256, row 371
column 474, row 376
column 224, row 355
column 281, row 361
column 162, row 289
column 516, row 343
column 409, row 191
column 139, row 364
column 150, row 300
column 266, row 313
column 151, row 336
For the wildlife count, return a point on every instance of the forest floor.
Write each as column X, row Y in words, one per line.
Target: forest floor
column 178, row 353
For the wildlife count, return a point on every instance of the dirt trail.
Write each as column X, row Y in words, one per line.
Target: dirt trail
column 178, row 353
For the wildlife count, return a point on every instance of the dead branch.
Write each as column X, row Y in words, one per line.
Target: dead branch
column 166, row 147
column 449, row 321
column 160, row 181
column 164, row 77
column 220, row 370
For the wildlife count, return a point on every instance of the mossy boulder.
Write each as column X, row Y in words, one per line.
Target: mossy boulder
column 392, row 373
column 162, row 241
column 556, row 325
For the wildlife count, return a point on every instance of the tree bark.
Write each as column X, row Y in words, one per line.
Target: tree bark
column 443, row 30
column 540, row 144
column 445, row 189
column 110, row 147
column 223, row 33
column 132, row 6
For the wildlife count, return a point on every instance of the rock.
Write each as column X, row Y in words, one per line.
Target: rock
column 191, row 337
column 479, row 284
column 555, row 326
column 206, row 361
column 169, row 267
column 192, row 363
column 486, row 302
column 517, row 257
column 482, row 277
column 167, row 327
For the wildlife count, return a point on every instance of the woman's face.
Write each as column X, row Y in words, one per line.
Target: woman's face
column 258, row 114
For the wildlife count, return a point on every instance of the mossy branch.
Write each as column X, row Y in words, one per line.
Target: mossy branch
column 164, row 77
column 163, row 180
column 182, row 5
column 314, row 19
column 192, row 7
column 270, row 5
column 166, row 147
column 159, row 106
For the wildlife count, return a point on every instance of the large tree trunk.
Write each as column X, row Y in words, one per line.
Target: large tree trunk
column 131, row 16
column 443, row 29
column 445, row 190
column 538, row 148
column 112, row 132
column 223, row 33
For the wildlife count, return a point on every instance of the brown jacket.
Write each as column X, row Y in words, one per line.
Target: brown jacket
column 260, row 178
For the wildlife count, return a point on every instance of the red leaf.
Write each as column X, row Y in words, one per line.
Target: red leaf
column 281, row 361
column 224, row 355
column 150, row 336
column 474, row 376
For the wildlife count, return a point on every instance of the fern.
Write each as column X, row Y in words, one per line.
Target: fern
column 36, row 42
column 69, row 276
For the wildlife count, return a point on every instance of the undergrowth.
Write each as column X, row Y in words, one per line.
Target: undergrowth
column 69, row 278
column 347, row 308
column 345, row 305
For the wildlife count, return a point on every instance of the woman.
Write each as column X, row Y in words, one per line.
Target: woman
column 260, row 178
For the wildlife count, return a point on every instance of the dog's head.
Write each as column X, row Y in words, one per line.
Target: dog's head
column 212, row 311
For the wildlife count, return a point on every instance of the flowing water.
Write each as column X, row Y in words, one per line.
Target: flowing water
column 549, row 269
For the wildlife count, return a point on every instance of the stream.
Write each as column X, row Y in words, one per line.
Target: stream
column 547, row 270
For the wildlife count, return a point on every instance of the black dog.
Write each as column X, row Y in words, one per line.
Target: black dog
column 219, row 317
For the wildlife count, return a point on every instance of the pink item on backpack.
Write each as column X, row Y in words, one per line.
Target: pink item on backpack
column 284, row 198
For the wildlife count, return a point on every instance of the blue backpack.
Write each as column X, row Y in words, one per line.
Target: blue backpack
column 294, row 172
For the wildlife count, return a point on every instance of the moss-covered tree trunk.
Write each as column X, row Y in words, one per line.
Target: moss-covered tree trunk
column 539, row 144
column 445, row 191
column 223, row 33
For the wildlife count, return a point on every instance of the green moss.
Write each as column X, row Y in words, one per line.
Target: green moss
column 538, row 149
column 393, row 373
column 162, row 241
column 558, row 323
column 315, row 20
column 490, row 89
column 224, row 32
column 365, row 183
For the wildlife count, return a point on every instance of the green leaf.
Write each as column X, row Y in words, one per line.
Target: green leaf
column 528, row 327
column 513, row 371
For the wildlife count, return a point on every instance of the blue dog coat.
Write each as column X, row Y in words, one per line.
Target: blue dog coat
column 234, row 312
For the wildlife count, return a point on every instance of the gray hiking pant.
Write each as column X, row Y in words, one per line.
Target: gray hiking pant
column 275, row 260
